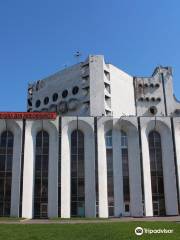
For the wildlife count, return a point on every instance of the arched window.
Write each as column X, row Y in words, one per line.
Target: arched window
column 77, row 174
column 110, row 182
column 109, row 139
column 6, row 157
column 157, row 183
column 41, row 175
column 125, row 168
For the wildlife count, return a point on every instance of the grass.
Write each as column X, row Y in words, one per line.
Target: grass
column 88, row 231
column 10, row 219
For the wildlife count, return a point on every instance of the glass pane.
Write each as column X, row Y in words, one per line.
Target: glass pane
column 77, row 173
column 155, row 153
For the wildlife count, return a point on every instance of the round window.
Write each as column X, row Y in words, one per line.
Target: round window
column 157, row 85
column 64, row 93
column 55, row 97
column 153, row 110
column 38, row 103
column 46, row 100
column 75, row 90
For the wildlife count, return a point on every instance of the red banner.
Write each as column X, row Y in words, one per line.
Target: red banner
column 28, row 115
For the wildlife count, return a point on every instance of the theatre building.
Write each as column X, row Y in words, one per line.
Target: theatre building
column 94, row 142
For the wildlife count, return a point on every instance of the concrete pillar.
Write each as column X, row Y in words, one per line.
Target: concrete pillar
column 117, row 174
column 28, row 174
column 176, row 122
column 90, row 189
column 148, row 208
column 65, row 173
column 53, row 175
column 16, row 174
column 102, row 173
column 136, row 207
column 169, row 176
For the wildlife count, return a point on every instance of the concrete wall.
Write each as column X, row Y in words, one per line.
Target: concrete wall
column 97, row 107
column 86, row 125
column 16, row 127
column 163, row 126
column 122, row 92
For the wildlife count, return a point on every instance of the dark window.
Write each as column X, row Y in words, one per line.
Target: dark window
column 6, row 157
column 30, row 102
column 46, row 100
column 55, row 97
column 109, row 139
column 125, row 166
column 38, row 103
column 77, row 174
column 155, row 153
column 110, row 182
column 126, row 207
column 41, row 175
column 153, row 110
column 157, row 85
column 64, row 93
column 75, row 90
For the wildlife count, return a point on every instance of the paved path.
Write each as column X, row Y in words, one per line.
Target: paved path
column 77, row 221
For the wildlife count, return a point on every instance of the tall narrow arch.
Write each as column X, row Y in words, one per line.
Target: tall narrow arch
column 6, row 159
column 41, row 175
column 157, row 183
column 77, row 174
column 110, row 181
column 125, row 169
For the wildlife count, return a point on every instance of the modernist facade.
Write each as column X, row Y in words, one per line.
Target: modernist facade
column 112, row 150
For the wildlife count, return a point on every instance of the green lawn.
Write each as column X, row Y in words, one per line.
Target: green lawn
column 98, row 231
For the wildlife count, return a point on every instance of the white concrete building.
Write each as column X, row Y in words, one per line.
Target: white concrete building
column 112, row 150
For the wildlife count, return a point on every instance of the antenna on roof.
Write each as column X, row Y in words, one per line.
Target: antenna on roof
column 77, row 55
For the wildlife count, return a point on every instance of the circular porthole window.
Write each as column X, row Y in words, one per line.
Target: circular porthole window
column 75, row 90
column 38, row 103
column 157, row 85
column 55, row 97
column 64, row 93
column 153, row 110
column 46, row 100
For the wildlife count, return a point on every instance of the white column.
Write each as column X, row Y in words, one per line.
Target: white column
column 177, row 142
column 65, row 174
column 28, row 175
column 169, row 176
column 90, row 189
column 53, row 175
column 102, row 174
column 148, row 208
column 16, row 174
column 117, row 174
column 136, row 207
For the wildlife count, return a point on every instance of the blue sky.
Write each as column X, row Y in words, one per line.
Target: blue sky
column 38, row 37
